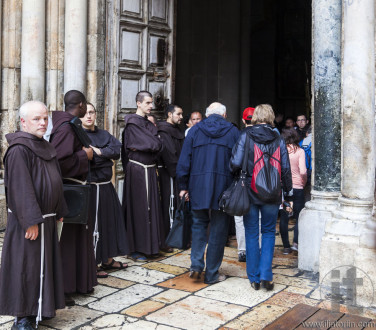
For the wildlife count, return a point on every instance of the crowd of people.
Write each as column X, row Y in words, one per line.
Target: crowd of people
column 45, row 260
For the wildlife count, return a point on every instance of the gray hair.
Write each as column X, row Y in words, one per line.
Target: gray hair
column 215, row 108
column 26, row 107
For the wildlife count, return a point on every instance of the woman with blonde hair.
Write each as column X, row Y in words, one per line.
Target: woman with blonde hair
column 266, row 150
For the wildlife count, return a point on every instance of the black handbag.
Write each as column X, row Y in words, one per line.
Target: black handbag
column 77, row 197
column 180, row 232
column 235, row 200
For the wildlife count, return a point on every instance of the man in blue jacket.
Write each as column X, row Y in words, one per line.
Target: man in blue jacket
column 203, row 174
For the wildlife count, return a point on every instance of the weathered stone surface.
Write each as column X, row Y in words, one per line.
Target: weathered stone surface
column 5, row 319
column 170, row 296
column 143, row 325
column 115, row 282
column 102, row 291
column 185, row 283
column 302, row 291
column 238, row 291
column 196, row 313
column 82, row 300
column 289, row 299
column 165, row 268
column 181, row 260
column 125, row 298
column 258, row 317
column 72, row 317
column 107, row 321
column 232, row 267
column 142, row 275
column 3, row 212
column 285, row 271
column 294, row 281
column 143, row 308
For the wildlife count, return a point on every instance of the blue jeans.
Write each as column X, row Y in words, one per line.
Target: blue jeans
column 259, row 261
column 219, row 223
column 298, row 205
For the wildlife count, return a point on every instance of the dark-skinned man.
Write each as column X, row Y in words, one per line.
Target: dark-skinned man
column 79, row 266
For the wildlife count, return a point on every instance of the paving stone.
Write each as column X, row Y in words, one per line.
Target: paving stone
column 82, row 300
column 238, row 291
column 196, row 313
column 72, row 317
column 6, row 326
column 294, row 289
column 5, row 319
column 130, row 262
column 174, row 270
column 231, row 267
column 170, row 296
column 294, row 281
column 289, row 299
column 140, row 325
column 286, row 271
column 101, row 291
column 107, row 321
column 131, row 319
column 165, row 327
column 285, row 261
column 143, row 308
column 185, row 283
column 143, row 275
column 258, row 317
column 115, row 282
column 180, row 259
column 125, row 298
column 231, row 252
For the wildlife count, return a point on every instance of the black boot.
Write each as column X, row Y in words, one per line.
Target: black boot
column 23, row 323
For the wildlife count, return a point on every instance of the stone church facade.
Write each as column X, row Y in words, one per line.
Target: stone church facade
column 111, row 49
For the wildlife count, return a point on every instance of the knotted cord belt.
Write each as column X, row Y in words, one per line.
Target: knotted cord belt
column 96, row 232
column 171, row 208
column 146, row 177
column 39, row 316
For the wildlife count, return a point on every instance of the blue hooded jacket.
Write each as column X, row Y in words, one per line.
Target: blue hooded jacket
column 203, row 167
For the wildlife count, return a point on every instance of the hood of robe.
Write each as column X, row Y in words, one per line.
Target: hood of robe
column 171, row 129
column 40, row 147
column 59, row 117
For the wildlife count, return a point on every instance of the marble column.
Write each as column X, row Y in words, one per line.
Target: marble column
column 350, row 236
column 33, row 50
column 75, row 58
column 55, row 54
column 326, row 121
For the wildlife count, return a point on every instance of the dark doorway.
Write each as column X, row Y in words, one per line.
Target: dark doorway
column 243, row 53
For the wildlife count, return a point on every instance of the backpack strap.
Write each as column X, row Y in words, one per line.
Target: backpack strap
column 246, row 151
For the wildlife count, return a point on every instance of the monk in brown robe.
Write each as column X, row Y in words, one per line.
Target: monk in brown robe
column 76, row 241
column 172, row 139
column 141, row 200
column 31, row 267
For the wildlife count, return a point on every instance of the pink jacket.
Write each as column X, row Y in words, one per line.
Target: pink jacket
column 298, row 167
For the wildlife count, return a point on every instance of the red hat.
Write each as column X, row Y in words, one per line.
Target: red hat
column 248, row 113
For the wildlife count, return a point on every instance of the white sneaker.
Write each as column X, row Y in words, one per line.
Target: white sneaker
column 294, row 247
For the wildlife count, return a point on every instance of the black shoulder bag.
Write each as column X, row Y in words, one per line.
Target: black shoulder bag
column 235, row 200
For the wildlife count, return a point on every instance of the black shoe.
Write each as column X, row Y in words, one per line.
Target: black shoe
column 69, row 301
column 23, row 324
column 242, row 257
column 220, row 278
column 287, row 251
column 255, row 285
column 268, row 285
column 192, row 274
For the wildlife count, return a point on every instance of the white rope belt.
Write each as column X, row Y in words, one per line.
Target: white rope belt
column 44, row 216
column 171, row 208
column 76, row 180
column 146, row 177
column 96, row 232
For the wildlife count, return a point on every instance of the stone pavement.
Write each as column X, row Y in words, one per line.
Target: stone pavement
column 158, row 294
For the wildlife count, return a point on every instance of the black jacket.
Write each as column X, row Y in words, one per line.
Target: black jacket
column 263, row 135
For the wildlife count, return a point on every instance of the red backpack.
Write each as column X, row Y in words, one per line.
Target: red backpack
column 266, row 175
